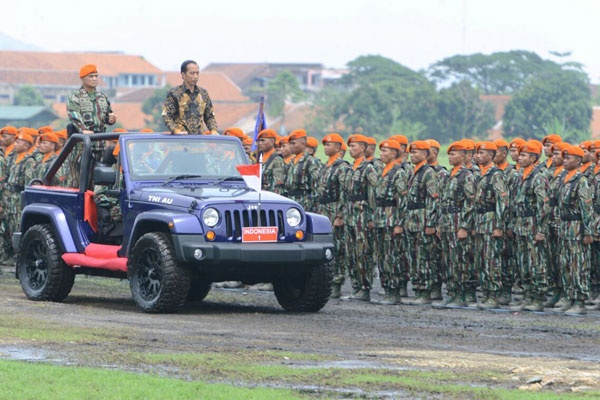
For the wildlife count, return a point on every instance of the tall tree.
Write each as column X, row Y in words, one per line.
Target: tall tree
column 559, row 98
column 28, row 96
column 284, row 87
column 153, row 108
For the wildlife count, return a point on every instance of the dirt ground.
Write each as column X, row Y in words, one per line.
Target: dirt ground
column 531, row 351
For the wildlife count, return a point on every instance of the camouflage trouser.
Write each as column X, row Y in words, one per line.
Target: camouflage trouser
column 303, row 200
column 595, row 264
column 372, row 248
column 474, row 273
column 401, row 244
column 488, row 261
column 5, row 239
column 438, row 266
column 532, row 262
column 455, row 255
column 575, row 268
column 554, row 274
column 360, row 266
column 340, row 262
column 387, row 258
column 509, row 263
column 13, row 212
column 421, row 256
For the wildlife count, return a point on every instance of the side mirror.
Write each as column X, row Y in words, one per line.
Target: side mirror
column 104, row 175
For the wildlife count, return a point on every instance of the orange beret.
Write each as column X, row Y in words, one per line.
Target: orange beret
column 267, row 134
column 61, row 134
column 491, row 146
column 552, row 138
column 10, row 130
column 501, row 143
column 344, row 146
column 420, row 145
column 468, row 144
column 87, row 69
column 517, row 142
column 531, row 146
column 28, row 131
column 334, row 138
column 400, row 139
column 585, row 144
column 247, row 141
column 434, row 143
column 146, row 130
column 312, row 142
column 44, row 129
column 26, row 137
column 120, row 130
column 49, row 137
column 358, row 138
column 297, row 134
column 390, row 144
column 573, row 150
column 457, row 146
column 595, row 144
column 237, row 132
column 560, row 146
column 371, row 140
column 284, row 139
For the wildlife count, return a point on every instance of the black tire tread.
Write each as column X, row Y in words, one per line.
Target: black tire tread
column 314, row 293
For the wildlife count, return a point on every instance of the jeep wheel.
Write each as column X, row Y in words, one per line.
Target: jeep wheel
column 305, row 293
column 199, row 289
column 157, row 283
column 42, row 272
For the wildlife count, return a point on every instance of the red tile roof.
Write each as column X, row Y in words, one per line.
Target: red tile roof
column 595, row 124
column 129, row 115
column 220, row 87
column 240, row 73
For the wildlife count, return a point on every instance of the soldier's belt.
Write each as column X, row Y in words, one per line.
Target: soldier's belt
column 525, row 213
column 597, row 209
column 357, row 197
column 385, row 203
column 487, row 209
column 553, row 203
column 14, row 188
column 570, row 217
column 297, row 192
column 450, row 210
column 415, row 205
column 327, row 200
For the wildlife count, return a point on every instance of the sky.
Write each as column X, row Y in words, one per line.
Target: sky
column 414, row 33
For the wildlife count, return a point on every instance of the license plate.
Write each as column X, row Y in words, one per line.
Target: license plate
column 259, row 234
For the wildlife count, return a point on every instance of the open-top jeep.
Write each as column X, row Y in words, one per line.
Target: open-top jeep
column 187, row 219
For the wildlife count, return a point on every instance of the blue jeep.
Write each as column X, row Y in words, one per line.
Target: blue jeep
column 187, row 219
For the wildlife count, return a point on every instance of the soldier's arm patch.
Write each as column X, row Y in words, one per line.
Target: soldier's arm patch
column 546, row 200
column 503, row 194
column 588, row 201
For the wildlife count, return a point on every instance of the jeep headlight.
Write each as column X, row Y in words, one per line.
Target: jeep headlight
column 210, row 216
column 293, row 217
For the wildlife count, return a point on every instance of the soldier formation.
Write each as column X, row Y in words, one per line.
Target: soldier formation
column 530, row 227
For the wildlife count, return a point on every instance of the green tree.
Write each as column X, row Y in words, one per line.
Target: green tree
column 462, row 113
column 28, row 96
column 281, row 89
column 153, row 108
column 555, row 99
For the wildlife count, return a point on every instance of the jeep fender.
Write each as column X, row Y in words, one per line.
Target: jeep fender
column 166, row 221
column 47, row 213
column 317, row 224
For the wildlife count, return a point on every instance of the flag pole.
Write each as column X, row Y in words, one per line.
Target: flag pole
column 260, row 165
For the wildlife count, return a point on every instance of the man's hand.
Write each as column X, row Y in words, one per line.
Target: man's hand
column 497, row 233
column 338, row 221
column 87, row 131
column 588, row 239
column 462, row 234
column 539, row 237
column 430, row 230
column 398, row 230
column 112, row 118
column 214, row 132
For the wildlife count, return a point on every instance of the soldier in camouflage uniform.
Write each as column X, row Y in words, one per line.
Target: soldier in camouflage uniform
column 420, row 222
column 575, row 231
column 188, row 106
column 489, row 220
column 330, row 202
column 47, row 149
column 595, row 247
column 529, row 224
column 273, row 173
column 549, row 141
column 360, row 201
column 20, row 170
column 303, row 173
column 587, row 167
column 455, row 222
column 311, row 147
column 390, row 205
column 8, row 135
column 554, row 273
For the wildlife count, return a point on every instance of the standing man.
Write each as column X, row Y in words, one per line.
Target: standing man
column 188, row 106
column 273, row 168
column 303, row 173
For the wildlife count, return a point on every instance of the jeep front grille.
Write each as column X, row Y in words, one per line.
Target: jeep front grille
column 236, row 220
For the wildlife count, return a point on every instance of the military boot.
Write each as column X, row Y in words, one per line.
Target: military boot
column 403, row 292
column 471, row 296
column 491, row 302
column 594, row 297
column 527, row 301
column 563, row 302
column 424, row 298
column 537, row 304
column 436, row 292
column 451, row 297
column 577, row 309
column 504, row 295
column 552, row 301
column 336, row 291
column 459, row 299
column 361, row 295
column 390, row 298
column 485, row 295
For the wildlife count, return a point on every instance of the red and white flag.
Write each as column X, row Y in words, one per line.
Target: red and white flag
column 251, row 175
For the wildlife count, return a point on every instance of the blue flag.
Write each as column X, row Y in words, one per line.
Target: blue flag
column 261, row 123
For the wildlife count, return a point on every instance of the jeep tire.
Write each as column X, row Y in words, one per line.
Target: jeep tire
column 40, row 269
column 199, row 289
column 307, row 292
column 157, row 283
